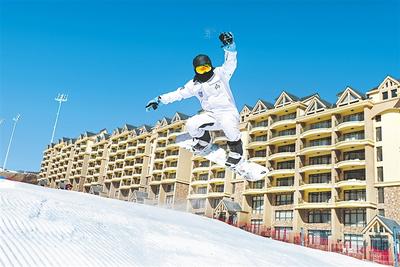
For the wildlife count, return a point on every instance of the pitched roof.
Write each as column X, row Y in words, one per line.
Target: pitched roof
column 309, row 96
column 292, row 96
column 389, row 222
column 266, row 103
column 130, row 127
column 231, row 206
column 183, row 116
column 356, row 91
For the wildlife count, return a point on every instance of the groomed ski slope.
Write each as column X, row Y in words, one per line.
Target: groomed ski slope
column 48, row 227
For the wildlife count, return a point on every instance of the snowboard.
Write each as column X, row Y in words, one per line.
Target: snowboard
column 249, row 170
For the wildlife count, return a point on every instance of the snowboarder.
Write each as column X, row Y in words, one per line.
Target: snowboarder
column 211, row 87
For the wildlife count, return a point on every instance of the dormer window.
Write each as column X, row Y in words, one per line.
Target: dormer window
column 385, row 95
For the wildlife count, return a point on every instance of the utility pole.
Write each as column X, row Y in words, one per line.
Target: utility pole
column 16, row 119
column 60, row 99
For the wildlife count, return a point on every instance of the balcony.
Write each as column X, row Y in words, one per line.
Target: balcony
column 282, row 137
column 171, row 168
column 257, row 189
column 219, row 137
column 162, row 137
column 314, row 205
column 158, row 159
column 256, row 127
column 316, row 167
column 315, row 186
column 199, row 180
column 155, row 181
column 201, row 167
column 116, row 179
column 316, row 129
column 170, row 156
column 258, row 141
column 217, row 179
column 196, row 195
column 141, row 143
column 121, row 159
column 161, row 147
column 215, row 194
column 130, row 156
column 157, row 170
column 285, row 120
column 351, row 163
column 282, row 155
column 312, row 148
column 355, row 122
column 360, row 203
column 351, row 183
column 352, row 141
column 174, row 132
column 282, row 171
column 169, row 179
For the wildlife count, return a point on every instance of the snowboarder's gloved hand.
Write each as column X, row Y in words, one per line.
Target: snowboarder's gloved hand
column 227, row 41
column 153, row 104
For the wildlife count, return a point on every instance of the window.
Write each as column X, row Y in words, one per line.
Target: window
column 260, row 153
column 355, row 154
column 394, row 93
column 285, row 165
column 319, row 216
column 319, row 197
column 198, row 203
column 379, row 156
column 320, row 142
column 169, row 188
column 283, row 215
column 385, row 95
column 356, row 195
column 354, row 174
column 255, row 225
column 379, row 242
column 320, row 178
column 353, row 117
column 320, row 160
column 286, row 132
column 322, row 124
column 285, row 181
column 353, row 242
column 381, row 195
column 281, row 232
column 319, row 236
column 202, row 190
column 352, row 136
column 378, row 118
column 290, row 116
column 287, row 148
column 169, row 200
column 220, row 174
column 257, row 204
column 380, row 174
column 355, row 218
column 257, row 185
column 378, row 132
column 284, row 199
column 214, row 202
column 381, row 212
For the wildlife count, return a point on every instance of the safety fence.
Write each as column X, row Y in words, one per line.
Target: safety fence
column 362, row 252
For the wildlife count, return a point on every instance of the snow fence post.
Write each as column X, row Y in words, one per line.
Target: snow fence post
column 396, row 242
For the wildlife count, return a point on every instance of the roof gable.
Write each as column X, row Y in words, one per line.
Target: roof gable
column 261, row 106
column 348, row 96
column 246, row 109
column 315, row 105
column 388, row 82
column 179, row 117
column 285, row 99
column 386, row 223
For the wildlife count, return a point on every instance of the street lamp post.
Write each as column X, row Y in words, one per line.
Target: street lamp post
column 60, row 99
column 11, row 138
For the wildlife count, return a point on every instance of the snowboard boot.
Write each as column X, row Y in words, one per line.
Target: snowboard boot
column 235, row 153
column 202, row 143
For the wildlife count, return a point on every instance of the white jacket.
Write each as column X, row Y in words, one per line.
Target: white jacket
column 214, row 95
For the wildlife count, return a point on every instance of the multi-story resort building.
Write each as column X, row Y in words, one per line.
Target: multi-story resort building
column 336, row 166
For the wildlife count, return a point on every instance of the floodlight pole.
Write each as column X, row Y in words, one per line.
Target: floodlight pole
column 11, row 138
column 60, row 98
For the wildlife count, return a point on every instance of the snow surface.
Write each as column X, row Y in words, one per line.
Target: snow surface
column 47, row 227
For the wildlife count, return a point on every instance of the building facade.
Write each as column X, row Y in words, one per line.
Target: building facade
column 336, row 166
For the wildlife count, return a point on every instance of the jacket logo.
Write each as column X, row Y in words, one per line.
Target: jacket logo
column 217, row 86
column 200, row 93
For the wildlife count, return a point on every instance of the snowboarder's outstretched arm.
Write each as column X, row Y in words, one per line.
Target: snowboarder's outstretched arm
column 229, row 47
column 181, row 93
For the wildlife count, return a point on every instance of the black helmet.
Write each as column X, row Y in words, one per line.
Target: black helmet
column 201, row 60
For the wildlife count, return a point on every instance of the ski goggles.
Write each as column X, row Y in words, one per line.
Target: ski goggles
column 203, row 69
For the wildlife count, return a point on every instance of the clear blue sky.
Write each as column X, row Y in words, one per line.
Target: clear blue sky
column 112, row 57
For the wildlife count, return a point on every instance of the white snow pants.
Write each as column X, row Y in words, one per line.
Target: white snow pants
column 227, row 121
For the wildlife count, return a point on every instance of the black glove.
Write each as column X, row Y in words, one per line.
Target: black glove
column 153, row 104
column 226, row 38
